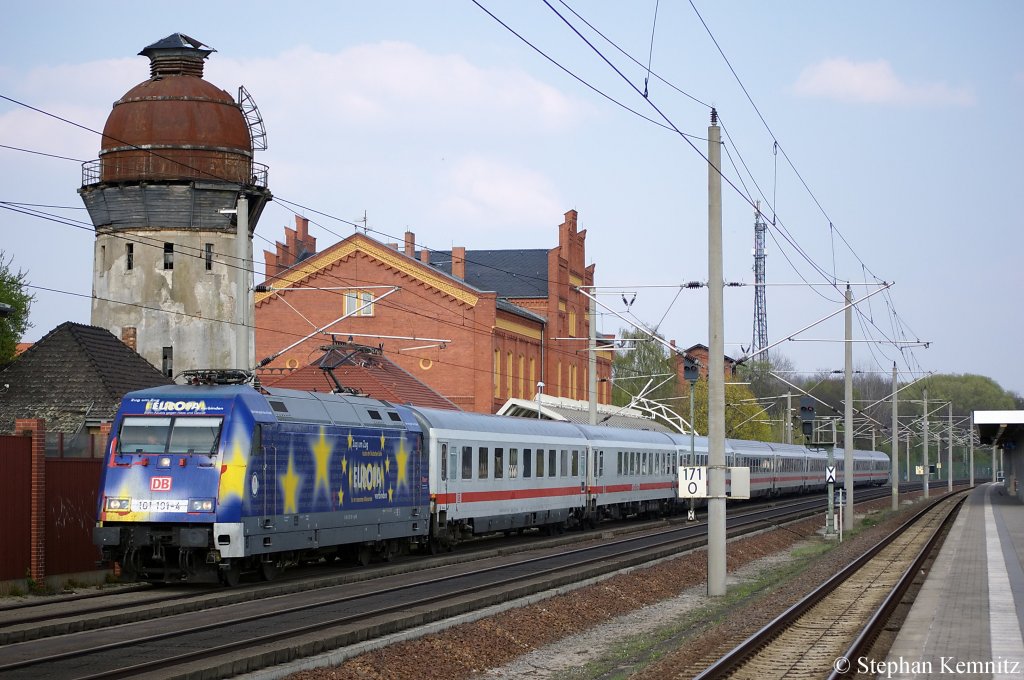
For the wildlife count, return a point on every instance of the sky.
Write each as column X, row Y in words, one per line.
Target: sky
column 883, row 140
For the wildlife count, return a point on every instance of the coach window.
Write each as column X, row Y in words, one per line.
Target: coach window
column 575, row 463
column 467, row 462
column 499, row 463
column 527, row 463
column 444, row 460
column 540, row 463
column 563, row 463
column 551, row 462
column 513, row 463
column 618, row 463
column 482, row 463
column 600, row 463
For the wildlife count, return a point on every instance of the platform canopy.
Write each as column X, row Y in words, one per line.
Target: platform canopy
column 999, row 427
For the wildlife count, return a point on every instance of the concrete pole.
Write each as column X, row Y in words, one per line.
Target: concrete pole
column 243, row 289
column 895, row 457
column 924, row 446
column 716, row 367
column 789, row 417
column 949, row 451
column 970, row 439
column 906, row 450
column 848, row 415
column 994, row 450
column 592, row 361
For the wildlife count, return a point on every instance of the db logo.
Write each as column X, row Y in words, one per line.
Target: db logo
column 160, row 484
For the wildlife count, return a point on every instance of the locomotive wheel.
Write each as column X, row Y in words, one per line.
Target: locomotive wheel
column 268, row 571
column 230, row 576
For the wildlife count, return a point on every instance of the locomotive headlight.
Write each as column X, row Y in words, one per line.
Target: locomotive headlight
column 200, row 505
column 164, row 462
column 119, row 504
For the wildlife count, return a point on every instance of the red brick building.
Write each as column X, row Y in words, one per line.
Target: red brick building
column 477, row 326
column 699, row 354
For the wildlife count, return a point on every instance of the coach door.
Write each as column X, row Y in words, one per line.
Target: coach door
column 449, row 461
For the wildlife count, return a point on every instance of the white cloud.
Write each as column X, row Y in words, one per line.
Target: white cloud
column 394, row 83
column 491, row 195
column 874, row 82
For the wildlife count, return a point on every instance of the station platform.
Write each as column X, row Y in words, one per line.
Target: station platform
column 967, row 618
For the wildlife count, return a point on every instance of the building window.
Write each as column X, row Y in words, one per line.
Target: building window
column 167, row 367
column 209, row 256
column 522, row 376
column 508, row 377
column 103, row 260
column 572, row 324
column 359, row 303
column 497, row 374
column 129, row 256
column 533, row 374
column 168, row 256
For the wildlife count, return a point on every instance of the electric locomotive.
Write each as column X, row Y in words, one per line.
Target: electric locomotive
column 203, row 482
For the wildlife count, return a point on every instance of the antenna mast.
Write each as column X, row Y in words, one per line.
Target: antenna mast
column 760, row 339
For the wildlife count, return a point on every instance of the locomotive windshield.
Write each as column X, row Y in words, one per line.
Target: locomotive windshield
column 195, row 434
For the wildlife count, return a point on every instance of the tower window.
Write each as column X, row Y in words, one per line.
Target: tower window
column 167, row 365
column 168, row 256
column 129, row 256
column 209, row 256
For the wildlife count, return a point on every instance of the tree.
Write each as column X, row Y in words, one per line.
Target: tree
column 745, row 417
column 643, row 361
column 13, row 321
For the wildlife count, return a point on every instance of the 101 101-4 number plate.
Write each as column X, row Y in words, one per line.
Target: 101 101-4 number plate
column 162, row 505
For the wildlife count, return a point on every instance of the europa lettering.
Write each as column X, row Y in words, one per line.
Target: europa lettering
column 175, row 406
column 367, row 477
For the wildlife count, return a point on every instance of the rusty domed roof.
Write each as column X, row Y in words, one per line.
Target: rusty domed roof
column 176, row 125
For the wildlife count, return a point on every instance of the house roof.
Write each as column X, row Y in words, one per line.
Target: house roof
column 575, row 411
column 509, row 273
column 375, row 376
column 483, row 274
column 73, row 374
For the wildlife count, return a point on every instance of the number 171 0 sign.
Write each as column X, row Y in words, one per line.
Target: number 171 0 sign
column 693, row 482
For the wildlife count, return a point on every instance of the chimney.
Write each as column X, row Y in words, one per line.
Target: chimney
column 129, row 336
column 301, row 228
column 459, row 262
column 393, row 246
column 425, row 256
column 410, row 244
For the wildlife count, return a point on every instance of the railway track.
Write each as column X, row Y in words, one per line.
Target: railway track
column 840, row 619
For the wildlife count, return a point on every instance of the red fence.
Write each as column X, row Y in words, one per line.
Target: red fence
column 68, row 512
column 15, row 506
column 71, row 485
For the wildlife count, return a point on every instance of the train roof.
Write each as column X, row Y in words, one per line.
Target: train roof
column 335, row 409
column 616, row 434
column 466, row 420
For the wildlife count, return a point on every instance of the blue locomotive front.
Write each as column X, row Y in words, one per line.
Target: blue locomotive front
column 202, row 483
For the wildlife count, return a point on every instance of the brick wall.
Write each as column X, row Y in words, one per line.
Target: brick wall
column 36, row 429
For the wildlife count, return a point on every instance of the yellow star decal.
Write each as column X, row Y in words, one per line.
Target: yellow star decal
column 387, row 465
column 344, row 466
column 341, row 496
column 350, row 440
column 232, row 472
column 401, row 463
column 322, row 454
column 391, row 494
column 290, row 486
column 382, row 440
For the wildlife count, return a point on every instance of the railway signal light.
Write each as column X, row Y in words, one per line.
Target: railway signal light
column 807, row 416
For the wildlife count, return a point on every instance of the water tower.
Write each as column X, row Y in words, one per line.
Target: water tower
column 172, row 273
